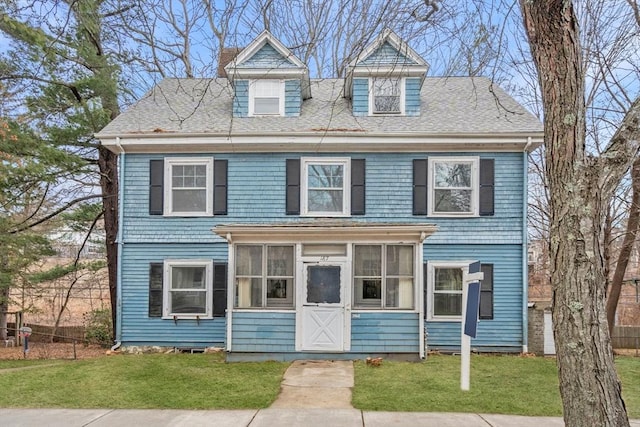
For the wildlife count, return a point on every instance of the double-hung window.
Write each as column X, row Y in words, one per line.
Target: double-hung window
column 188, row 186
column 264, row 276
column 386, row 95
column 188, row 289
column 383, row 276
column 454, row 186
column 326, row 184
column 266, row 98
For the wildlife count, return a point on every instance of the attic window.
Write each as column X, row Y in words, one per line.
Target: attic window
column 387, row 95
column 266, row 98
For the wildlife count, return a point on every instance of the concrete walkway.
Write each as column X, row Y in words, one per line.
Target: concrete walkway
column 316, row 384
column 314, row 393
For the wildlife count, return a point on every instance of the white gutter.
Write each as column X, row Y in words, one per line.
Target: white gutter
column 120, row 242
column 525, row 252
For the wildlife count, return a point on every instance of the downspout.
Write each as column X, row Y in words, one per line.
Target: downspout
column 525, row 248
column 120, row 242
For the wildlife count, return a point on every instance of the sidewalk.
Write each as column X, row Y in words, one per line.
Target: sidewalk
column 314, row 393
column 263, row 418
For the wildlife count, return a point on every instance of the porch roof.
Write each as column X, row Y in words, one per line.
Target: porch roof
column 326, row 231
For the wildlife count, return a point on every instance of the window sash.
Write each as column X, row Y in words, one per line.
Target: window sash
column 326, row 186
column 267, row 97
column 453, row 186
column 386, row 95
column 384, row 277
column 188, row 186
column 264, row 276
column 189, row 287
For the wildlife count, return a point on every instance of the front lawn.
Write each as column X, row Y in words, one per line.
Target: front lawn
column 180, row 381
column 499, row 385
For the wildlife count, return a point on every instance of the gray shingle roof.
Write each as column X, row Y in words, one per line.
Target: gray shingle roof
column 452, row 105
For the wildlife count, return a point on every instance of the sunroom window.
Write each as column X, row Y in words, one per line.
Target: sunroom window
column 326, row 184
column 387, row 95
column 188, row 186
column 384, row 276
column 264, row 276
column 454, row 186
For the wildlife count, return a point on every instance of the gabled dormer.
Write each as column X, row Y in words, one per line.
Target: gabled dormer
column 385, row 79
column 268, row 79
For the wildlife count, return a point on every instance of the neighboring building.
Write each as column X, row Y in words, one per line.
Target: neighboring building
column 285, row 217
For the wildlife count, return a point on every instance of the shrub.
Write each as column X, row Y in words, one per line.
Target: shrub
column 97, row 327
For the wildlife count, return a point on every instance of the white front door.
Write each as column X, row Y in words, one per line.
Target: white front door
column 322, row 307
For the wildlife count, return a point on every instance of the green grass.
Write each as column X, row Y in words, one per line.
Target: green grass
column 499, row 384
column 180, row 381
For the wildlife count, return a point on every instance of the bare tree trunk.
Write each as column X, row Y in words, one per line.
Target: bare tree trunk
column 580, row 187
column 627, row 246
column 4, row 307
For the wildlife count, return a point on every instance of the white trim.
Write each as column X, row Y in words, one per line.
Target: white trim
column 475, row 185
column 431, row 265
column 305, row 162
column 295, row 232
column 395, row 41
column 319, row 142
column 402, row 81
column 169, row 162
column 257, row 44
column 166, row 287
column 252, row 96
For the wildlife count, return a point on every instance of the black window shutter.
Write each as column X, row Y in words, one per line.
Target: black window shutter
column 156, row 184
column 420, row 186
column 486, row 187
column 357, row 186
column 220, row 187
column 425, row 277
column 219, row 288
column 293, row 187
column 486, row 292
column 155, row 289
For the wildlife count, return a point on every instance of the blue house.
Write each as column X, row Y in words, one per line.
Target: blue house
column 284, row 217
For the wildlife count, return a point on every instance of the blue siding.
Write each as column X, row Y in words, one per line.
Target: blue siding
column 370, row 332
column 387, row 55
column 267, row 57
column 292, row 97
column 412, row 96
column 241, row 98
column 504, row 331
column 360, row 97
column 256, row 193
column 385, row 332
column 263, row 332
column 137, row 327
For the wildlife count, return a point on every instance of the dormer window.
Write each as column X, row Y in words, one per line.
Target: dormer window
column 266, row 98
column 387, row 95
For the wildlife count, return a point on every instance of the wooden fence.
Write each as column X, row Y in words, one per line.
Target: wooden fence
column 42, row 333
column 626, row 337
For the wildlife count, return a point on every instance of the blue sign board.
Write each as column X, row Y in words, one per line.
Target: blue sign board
column 473, row 306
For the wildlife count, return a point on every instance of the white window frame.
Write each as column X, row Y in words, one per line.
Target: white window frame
column 290, row 303
column 253, row 84
column 346, row 185
column 402, row 83
column 475, row 185
column 384, row 278
column 167, row 289
column 169, row 162
column 431, row 267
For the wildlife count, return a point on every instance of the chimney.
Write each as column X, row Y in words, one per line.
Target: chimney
column 226, row 55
